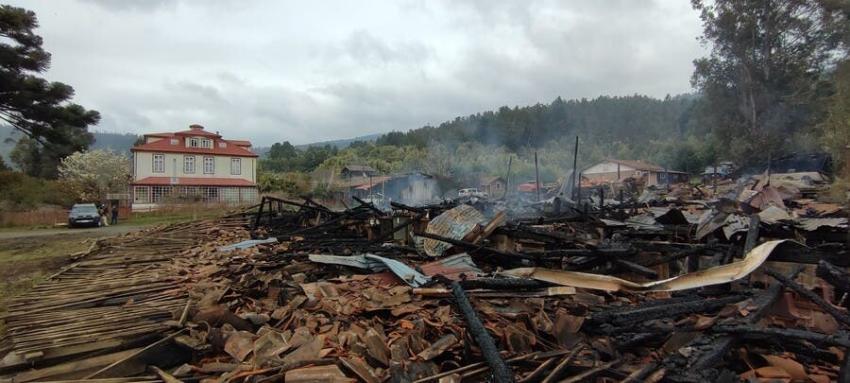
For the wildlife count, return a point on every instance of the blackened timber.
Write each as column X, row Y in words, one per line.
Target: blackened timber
column 834, row 275
column 839, row 339
column 624, row 318
column 810, row 295
column 752, row 233
column 503, row 284
column 368, row 205
column 401, row 206
column 722, row 345
column 636, row 268
column 259, row 213
column 844, row 373
column 500, row 370
column 395, row 229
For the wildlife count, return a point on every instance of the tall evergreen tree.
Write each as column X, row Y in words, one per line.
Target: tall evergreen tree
column 41, row 110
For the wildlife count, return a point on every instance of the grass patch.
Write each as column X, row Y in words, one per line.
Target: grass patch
column 168, row 217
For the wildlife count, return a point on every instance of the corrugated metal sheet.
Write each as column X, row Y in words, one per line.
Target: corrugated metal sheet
column 455, row 223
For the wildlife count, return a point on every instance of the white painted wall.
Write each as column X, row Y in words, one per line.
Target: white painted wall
column 606, row 167
column 143, row 166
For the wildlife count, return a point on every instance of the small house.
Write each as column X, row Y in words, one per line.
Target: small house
column 495, row 187
column 355, row 171
column 617, row 170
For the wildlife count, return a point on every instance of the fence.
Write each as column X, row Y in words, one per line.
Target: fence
column 42, row 217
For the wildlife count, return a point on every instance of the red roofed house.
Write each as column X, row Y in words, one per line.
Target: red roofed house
column 193, row 165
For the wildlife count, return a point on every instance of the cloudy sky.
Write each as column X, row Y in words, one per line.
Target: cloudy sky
column 317, row 70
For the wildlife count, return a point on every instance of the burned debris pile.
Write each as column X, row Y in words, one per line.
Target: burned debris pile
column 684, row 286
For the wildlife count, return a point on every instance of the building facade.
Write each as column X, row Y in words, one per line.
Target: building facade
column 193, row 166
column 617, row 170
column 495, row 187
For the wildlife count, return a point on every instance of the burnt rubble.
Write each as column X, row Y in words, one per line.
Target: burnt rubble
column 688, row 284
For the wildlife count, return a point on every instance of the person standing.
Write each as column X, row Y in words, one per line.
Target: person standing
column 114, row 214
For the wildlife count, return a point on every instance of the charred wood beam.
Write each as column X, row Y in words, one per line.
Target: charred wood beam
column 500, row 370
column 722, row 345
column 834, row 275
column 810, row 295
column 401, row 206
column 844, row 373
column 636, row 268
column 503, row 284
column 302, row 205
column 259, row 213
column 752, row 233
column 754, row 332
column 625, row 318
column 808, row 256
column 310, row 201
column 395, row 229
column 368, row 205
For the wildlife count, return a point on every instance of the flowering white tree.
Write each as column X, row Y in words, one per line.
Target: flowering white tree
column 92, row 174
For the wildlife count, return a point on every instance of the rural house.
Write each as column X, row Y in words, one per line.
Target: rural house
column 617, row 170
column 192, row 165
column 495, row 186
column 354, row 171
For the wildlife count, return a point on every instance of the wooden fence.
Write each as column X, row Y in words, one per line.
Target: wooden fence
column 42, row 217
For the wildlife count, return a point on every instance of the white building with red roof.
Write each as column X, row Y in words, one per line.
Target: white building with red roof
column 193, row 165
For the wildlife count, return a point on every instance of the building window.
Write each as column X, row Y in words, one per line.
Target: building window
column 159, row 163
column 235, row 166
column 209, row 165
column 189, row 164
column 192, row 143
column 140, row 194
column 205, row 143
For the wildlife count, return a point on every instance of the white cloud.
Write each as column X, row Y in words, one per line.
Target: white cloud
column 273, row 71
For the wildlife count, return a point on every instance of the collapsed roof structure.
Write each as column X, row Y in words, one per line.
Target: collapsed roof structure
column 686, row 285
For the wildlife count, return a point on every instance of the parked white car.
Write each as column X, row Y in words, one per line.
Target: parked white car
column 471, row 192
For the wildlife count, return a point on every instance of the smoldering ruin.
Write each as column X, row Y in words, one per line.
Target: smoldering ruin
column 733, row 279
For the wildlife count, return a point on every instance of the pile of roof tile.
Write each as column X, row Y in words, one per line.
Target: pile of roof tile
column 670, row 291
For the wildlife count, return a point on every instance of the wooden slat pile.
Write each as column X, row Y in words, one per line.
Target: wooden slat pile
column 117, row 295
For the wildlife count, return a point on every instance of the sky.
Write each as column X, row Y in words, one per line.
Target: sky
column 308, row 71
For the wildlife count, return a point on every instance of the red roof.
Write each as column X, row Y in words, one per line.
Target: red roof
column 527, row 187
column 194, row 181
column 239, row 148
column 165, row 145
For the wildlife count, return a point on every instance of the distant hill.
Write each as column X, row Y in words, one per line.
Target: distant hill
column 119, row 142
column 341, row 144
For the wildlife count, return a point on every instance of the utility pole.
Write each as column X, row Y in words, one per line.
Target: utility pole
column 575, row 170
column 537, row 176
column 508, row 177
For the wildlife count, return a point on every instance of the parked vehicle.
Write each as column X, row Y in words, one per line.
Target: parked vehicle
column 84, row 214
column 471, row 192
column 376, row 199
